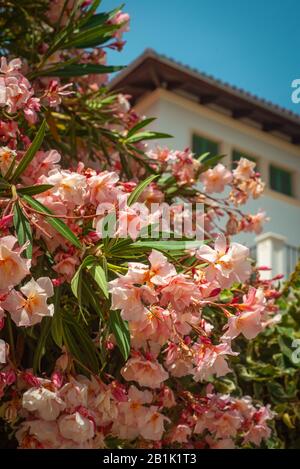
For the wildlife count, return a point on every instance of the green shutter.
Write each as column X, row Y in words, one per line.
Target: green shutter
column 237, row 155
column 281, row 180
column 204, row 145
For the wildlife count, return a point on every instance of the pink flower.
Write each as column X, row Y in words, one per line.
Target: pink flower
column 38, row 434
column 70, row 186
column 54, row 93
column 153, row 427
column 259, row 429
column 66, row 266
column 13, row 268
column 249, row 320
column 151, row 195
column 178, row 363
column 180, row 434
column 121, row 19
column 227, row 425
column 156, row 326
column 215, row 179
column 227, row 264
column 147, row 373
column 6, row 157
column 254, row 223
column 74, row 394
column 132, row 219
column 8, row 130
column 31, row 108
column 161, row 270
column 185, row 167
column 162, row 155
column 15, row 90
column 30, row 309
column 45, row 403
column 210, row 360
column 76, row 427
column 134, row 413
column 42, row 163
column 180, row 292
column 167, row 398
column 130, row 299
column 103, row 187
column 244, row 169
column 6, row 221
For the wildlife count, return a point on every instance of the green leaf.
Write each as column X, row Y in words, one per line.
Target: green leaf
column 286, row 350
column 23, row 229
column 30, row 153
column 98, row 274
column 77, row 70
column 90, row 296
column 91, row 37
column 90, row 13
column 208, row 160
column 79, row 343
column 226, row 296
column 121, row 332
column 40, row 348
column 134, row 196
column 140, row 125
column 147, row 136
column 3, row 183
column 56, row 223
column 10, row 169
column 100, row 18
column 168, row 245
column 76, row 282
column 34, row 190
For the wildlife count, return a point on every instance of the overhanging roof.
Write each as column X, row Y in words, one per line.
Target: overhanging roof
column 151, row 71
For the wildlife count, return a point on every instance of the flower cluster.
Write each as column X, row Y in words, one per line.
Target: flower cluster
column 78, row 412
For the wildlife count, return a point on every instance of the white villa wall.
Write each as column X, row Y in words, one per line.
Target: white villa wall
column 182, row 117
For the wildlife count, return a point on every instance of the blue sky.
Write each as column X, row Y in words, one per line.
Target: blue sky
column 253, row 44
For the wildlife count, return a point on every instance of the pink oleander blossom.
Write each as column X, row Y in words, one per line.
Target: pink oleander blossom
column 145, row 372
column 46, row 404
column 153, row 426
column 13, row 267
column 245, row 169
column 70, row 186
column 211, row 360
column 103, row 187
column 227, row 264
column 76, row 427
column 248, row 320
column 215, row 179
column 181, row 292
column 7, row 155
column 31, row 306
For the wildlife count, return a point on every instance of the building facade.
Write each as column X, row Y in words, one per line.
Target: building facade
column 207, row 115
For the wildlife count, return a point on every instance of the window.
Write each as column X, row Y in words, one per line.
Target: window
column 281, row 180
column 237, row 155
column 202, row 145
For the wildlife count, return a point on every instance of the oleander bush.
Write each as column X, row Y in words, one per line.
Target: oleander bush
column 118, row 329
